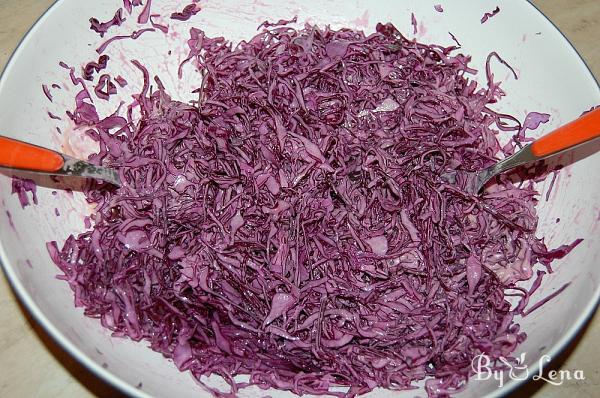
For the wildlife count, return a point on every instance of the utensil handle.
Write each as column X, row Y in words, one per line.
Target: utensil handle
column 586, row 128
column 21, row 155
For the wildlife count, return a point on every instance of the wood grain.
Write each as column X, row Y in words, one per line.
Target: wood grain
column 32, row 365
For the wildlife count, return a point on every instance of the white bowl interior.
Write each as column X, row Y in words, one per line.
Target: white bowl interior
column 552, row 78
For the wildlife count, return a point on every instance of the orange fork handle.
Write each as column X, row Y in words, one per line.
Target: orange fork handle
column 586, row 128
column 21, row 155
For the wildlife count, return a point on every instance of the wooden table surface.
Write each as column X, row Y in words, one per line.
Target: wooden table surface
column 32, row 365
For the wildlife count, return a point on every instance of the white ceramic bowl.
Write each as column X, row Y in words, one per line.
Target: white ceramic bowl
column 553, row 79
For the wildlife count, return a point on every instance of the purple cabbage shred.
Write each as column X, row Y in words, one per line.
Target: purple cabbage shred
column 121, row 81
column 293, row 225
column 53, row 116
column 102, row 27
column 489, row 15
column 134, row 35
column 162, row 28
column 187, row 12
column 105, row 87
column 46, row 91
column 145, row 13
column 20, row 187
column 129, row 4
column 91, row 67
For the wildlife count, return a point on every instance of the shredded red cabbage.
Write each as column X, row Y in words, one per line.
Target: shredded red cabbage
column 134, row 35
column 91, row 67
column 546, row 299
column 102, row 27
column 532, row 121
column 488, row 15
column 105, row 87
column 53, row 116
column 121, row 81
column 413, row 22
column 129, row 4
column 187, row 12
column 85, row 112
column 161, row 27
column 20, row 187
column 145, row 13
column 292, row 225
column 46, row 91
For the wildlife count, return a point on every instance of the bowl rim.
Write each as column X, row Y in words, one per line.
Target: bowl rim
column 123, row 386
